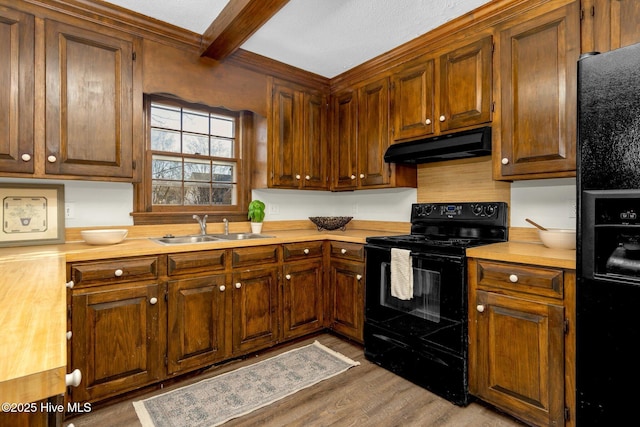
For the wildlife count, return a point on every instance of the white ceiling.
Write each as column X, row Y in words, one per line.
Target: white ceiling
column 326, row 37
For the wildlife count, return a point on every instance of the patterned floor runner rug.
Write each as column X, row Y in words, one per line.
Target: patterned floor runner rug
column 219, row 399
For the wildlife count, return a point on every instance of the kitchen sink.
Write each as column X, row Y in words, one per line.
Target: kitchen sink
column 238, row 236
column 205, row 238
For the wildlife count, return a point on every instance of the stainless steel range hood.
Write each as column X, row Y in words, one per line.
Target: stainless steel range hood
column 471, row 143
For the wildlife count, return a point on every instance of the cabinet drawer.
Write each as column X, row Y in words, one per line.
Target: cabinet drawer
column 540, row 281
column 115, row 270
column 246, row 257
column 345, row 250
column 293, row 251
column 195, row 262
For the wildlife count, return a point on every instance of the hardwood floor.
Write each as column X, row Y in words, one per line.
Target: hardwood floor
column 366, row 395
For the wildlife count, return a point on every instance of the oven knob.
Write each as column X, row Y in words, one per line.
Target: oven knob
column 489, row 210
column 476, row 209
column 426, row 210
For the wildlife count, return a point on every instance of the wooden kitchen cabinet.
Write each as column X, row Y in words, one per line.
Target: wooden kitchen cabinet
column 346, row 289
column 91, row 102
column 609, row 24
column 17, row 92
column 298, row 152
column 537, row 54
column 520, row 348
column 344, row 150
column 302, row 289
column 439, row 93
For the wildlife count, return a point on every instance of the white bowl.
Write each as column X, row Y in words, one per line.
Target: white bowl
column 558, row 238
column 103, row 237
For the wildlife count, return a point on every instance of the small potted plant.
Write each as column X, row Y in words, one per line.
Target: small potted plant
column 256, row 215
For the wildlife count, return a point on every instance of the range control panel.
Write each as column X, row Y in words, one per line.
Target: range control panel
column 458, row 211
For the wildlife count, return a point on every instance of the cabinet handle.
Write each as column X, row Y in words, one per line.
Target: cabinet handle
column 238, row 285
column 73, row 379
column 306, row 251
column 69, row 335
column 480, row 308
column 343, row 251
column 288, row 277
column 307, row 177
column 442, row 118
column 153, row 301
column 69, row 284
column 513, row 278
column 222, row 288
column 358, row 277
column 118, row 272
column 297, row 176
column 428, row 121
column 362, row 176
column 25, row 157
column 353, row 177
column 505, row 161
column 52, row 159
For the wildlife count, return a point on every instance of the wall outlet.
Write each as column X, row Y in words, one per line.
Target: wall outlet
column 69, row 210
column 354, row 209
column 572, row 208
column 274, row 208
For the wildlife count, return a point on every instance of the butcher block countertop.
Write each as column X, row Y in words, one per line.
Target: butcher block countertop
column 526, row 253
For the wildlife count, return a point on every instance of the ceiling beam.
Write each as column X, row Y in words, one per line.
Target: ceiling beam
column 235, row 24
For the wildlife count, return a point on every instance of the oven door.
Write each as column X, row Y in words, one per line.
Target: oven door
column 436, row 316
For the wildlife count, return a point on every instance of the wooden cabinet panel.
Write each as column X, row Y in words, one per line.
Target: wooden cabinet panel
column 525, row 279
column 345, row 250
column 304, row 250
column 196, row 262
column 285, row 124
column 117, row 339
column 116, row 270
column 250, row 256
column 609, row 24
column 413, row 101
column 302, row 291
column 344, row 140
column 538, row 59
column 16, row 91
column 373, row 134
column 255, row 309
column 196, row 322
column 520, row 361
column 89, row 102
column 346, row 303
column 315, row 152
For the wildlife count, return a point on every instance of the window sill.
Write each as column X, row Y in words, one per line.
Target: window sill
column 158, row 218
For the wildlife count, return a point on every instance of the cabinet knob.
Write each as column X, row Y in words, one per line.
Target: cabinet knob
column 288, row 277
column 238, row 285
column 118, row 272
column 343, row 251
column 69, row 284
column 307, row 177
column 442, row 118
column 69, row 335
column 513, row 278
column 153, row 301
column 358, row 277
column 306, row 251
column 222, row 288
column 480, row 308
column 362, row 176
column 26, row 157
column 428, row 121
column 353, row 177
column 52, row 159
column 73, row 379
column 505, row 161
column 297, row 176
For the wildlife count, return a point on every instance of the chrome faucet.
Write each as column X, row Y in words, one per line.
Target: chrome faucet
column 226, row 226
column 202, row 222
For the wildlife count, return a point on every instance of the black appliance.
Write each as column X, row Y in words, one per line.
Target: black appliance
column 424, row 337
column 469, row 143
column 608, row 251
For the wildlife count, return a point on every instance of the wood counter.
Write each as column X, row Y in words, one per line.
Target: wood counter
column 526, row 253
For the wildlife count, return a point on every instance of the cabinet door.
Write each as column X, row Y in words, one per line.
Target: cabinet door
column 315, row 153
column 520, row 357
column 196, row 322
column 16, row 91
column 346, row 303
column 285, row 125
column 255, row 309
column 89, row 103
column 116, row 341
column 538, row 60
column 344, row 141
column 610, row 24
column 413, row 101
column 373, row 134
column 302, row 298
column 465, row 86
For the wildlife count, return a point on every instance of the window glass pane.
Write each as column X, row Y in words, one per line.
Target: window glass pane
column 224, row 172
column 166, row 192
column 224, row 194
column 163, row 140
column 195, row 144
column 166, row 168
column 197, row 170
column 222, row 147
column 194, row 121
column 165, row 116
column 196, row 193
column 221, row 126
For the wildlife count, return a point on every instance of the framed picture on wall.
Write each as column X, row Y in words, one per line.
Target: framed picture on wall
column 32, row 214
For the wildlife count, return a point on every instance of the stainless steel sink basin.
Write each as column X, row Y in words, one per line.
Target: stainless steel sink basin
column 238, row 236
column 184, row 240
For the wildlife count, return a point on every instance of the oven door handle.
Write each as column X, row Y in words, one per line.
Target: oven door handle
column 439, row 257
column 407, row 347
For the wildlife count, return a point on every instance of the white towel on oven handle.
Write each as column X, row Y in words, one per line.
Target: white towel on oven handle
column 401, row 274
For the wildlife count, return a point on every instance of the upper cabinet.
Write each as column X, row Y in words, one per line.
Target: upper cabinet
column 16, row 91
column 609, row 24
column 298, row 151
column 89, row 102
column 443, row 92
column 537, row 84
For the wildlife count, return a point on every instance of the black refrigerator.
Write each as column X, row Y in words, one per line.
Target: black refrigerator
column 608, row 251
